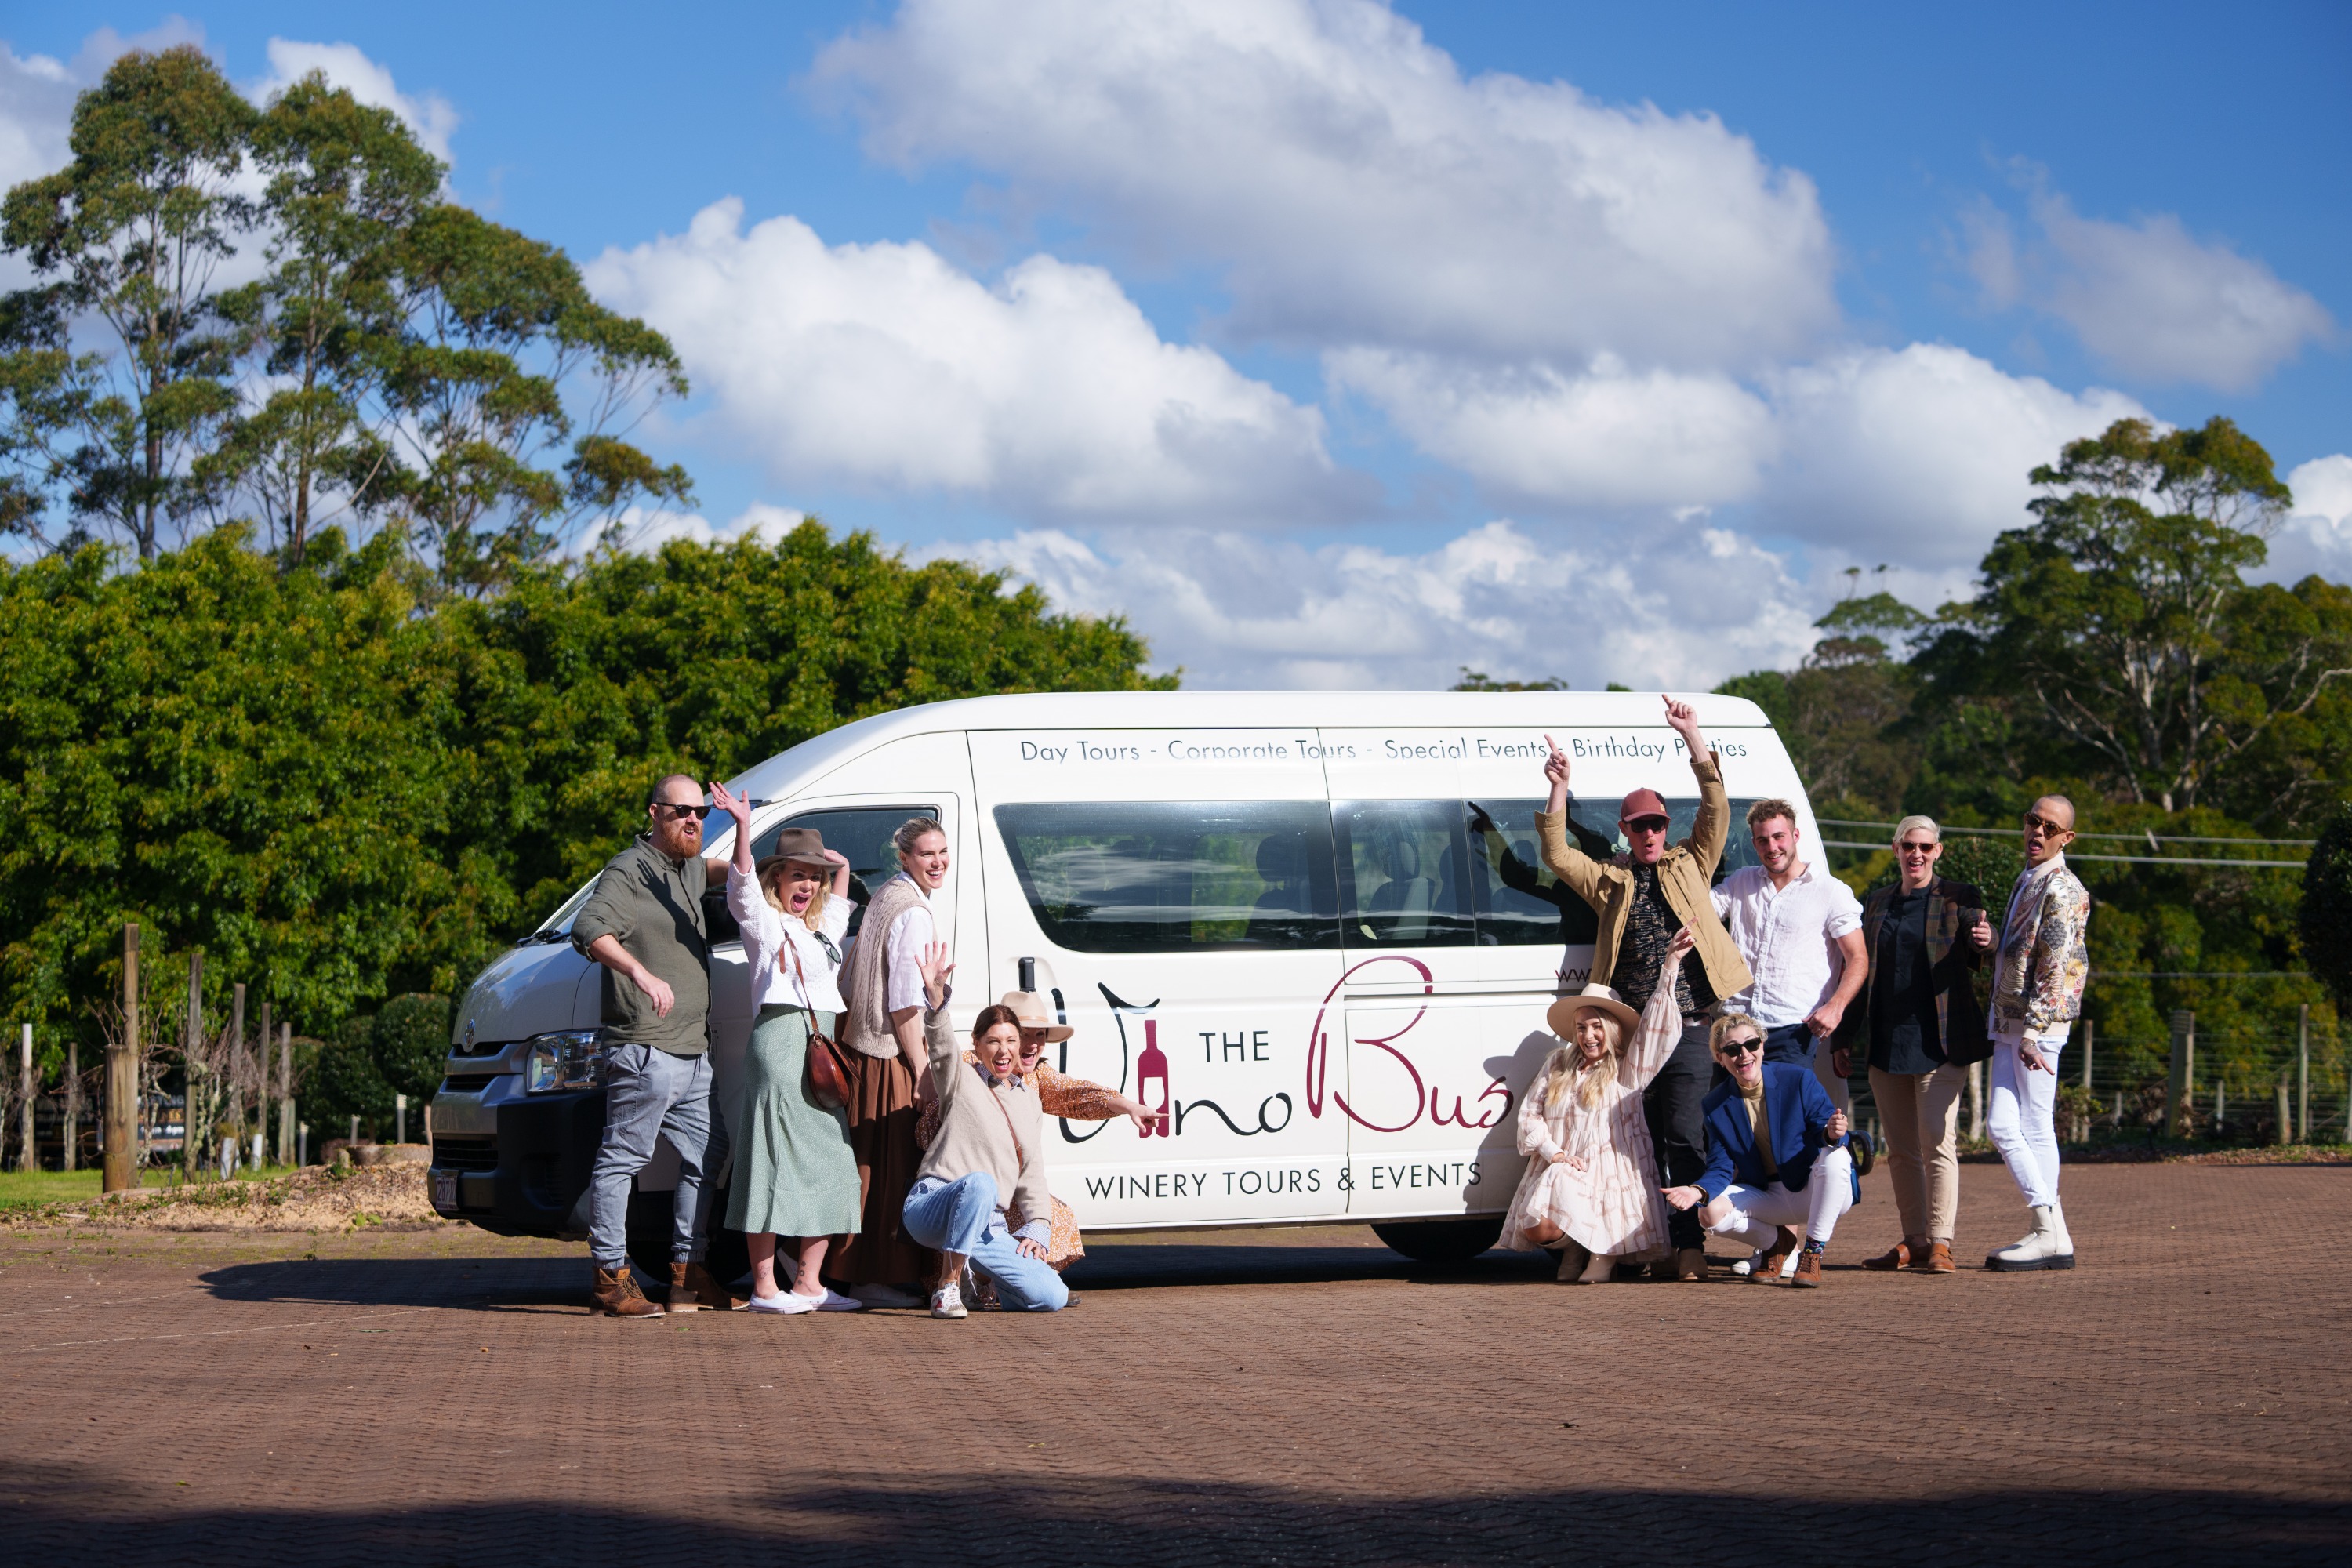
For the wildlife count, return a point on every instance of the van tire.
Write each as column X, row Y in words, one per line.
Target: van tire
column 1441, row 1240
column 728, row 1258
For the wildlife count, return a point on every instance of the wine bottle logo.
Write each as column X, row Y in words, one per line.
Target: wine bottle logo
column 1152, row 1066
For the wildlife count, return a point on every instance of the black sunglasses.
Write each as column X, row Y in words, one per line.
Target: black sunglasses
column 1646, row 825
column 678, row 812
column 1750, row 1047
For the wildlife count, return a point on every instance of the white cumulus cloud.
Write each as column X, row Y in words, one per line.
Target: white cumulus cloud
column 1917, row 456
column 1604, row 436
column 1353, row 185
column 1240, row 610
column 2317, row 535
column 887, row 366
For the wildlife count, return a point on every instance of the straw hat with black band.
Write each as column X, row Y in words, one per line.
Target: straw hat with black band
column 1595, row 997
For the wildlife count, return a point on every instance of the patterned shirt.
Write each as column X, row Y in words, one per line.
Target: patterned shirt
column 2037, row 983
column 1650, row 926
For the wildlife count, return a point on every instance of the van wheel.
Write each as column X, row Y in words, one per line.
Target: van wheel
column 1441, row 1240
column 650, row 1216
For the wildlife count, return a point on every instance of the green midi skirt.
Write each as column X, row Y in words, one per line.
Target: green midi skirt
column 794, row 1173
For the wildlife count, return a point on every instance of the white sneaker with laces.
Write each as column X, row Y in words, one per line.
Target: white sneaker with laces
column 947, row 1301
column 783, row 1301
column 835, row 1302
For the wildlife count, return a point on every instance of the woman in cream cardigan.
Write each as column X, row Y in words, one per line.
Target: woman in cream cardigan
column 989, row 1157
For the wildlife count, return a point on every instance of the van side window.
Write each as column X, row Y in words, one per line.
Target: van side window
column 1407, row 865
column 862, row 834
column 1519, row 901
column 1116, row 877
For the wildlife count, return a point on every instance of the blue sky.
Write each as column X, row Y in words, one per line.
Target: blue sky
column 1584, row 339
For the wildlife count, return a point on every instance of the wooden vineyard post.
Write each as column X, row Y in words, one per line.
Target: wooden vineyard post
column 123, row 1079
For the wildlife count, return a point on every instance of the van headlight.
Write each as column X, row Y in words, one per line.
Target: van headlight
column 572, row 1059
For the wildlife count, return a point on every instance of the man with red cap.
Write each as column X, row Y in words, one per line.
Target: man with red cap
column 1643, row 896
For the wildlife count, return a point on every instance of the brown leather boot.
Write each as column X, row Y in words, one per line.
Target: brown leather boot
column 1690, row 1263
column 1909, row 1252
column 692, row 1290
column 1769, row 1266
column 616, row 1295
column 1936, row 1260
column 1808, row 1270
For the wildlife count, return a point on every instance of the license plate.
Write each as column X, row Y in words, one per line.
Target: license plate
column 444, row 1190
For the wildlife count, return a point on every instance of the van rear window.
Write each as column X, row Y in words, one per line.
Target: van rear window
column 1117, row 877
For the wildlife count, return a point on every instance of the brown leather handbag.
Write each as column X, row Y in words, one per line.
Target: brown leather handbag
column 827, row 1076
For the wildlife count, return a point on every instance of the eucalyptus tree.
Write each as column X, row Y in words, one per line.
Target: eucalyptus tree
column 345, row 181
column 130, row 232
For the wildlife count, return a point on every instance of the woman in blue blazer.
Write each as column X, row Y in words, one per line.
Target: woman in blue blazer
column 1776, row 1155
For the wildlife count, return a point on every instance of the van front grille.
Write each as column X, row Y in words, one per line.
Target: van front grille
column 467, row 1082
column 454, row 1152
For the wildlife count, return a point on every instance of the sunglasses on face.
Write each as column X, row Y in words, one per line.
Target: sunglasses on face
column 1646, row 825
column 2044, row 825
column 1734, row 1050
column 1914, row 849
column 678, row 812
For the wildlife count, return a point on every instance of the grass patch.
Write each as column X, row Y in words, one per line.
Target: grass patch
column 37, row 1189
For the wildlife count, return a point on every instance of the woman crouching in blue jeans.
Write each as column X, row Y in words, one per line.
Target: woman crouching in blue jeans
column 989, row 1156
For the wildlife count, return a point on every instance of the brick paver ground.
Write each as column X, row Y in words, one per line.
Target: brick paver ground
column 1300, row 1397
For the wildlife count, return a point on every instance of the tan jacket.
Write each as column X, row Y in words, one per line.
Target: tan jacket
column 1686, row 872
column 985, row 1127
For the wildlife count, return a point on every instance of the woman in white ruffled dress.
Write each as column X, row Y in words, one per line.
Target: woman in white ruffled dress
column 1592, row 1185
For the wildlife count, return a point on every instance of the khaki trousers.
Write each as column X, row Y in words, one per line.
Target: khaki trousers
column 1920, row 1114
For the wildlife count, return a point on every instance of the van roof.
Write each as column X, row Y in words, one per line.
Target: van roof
column 787, row 771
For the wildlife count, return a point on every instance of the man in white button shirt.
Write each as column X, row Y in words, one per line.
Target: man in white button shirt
column 1800, row 929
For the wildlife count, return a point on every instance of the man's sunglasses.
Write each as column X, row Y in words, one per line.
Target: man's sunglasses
column 1736, row 1048
column 1914, row 849
column 2043, row 824
column 678, row 812
column 1645, row 824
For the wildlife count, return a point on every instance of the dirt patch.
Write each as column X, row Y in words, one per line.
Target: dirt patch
column 322, row 1198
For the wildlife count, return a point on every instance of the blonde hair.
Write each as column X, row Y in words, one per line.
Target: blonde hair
column 1566, row 1070
column 1723, row 1024
column 1911, row 824
column 774, row 872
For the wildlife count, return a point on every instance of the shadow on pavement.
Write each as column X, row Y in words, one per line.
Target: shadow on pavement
column 1122, row 1265
column 488, row 1285
column 1135, row 1520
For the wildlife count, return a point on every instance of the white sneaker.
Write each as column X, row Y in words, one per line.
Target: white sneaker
column 885, row 1296
column 1746, row 1265
column 835, row 1302
column 783, row 1301
column 947, row 1301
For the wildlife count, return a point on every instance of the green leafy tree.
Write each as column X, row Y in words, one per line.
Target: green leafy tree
column 2120, row 625
column 410, row 1044
column 130, row 233
column 345, row 183
column 2326, row 914
column 1840, row 711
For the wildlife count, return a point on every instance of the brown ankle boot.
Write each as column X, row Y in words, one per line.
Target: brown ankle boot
column 1911, row 1252
column 1808, row 1270
column 1784, row 1242
column 692, row 1290
column 616, row 1295
column 1936, row 1259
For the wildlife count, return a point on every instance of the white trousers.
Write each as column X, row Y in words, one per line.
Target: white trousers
column 2021, row 1122
column 1755, row 1211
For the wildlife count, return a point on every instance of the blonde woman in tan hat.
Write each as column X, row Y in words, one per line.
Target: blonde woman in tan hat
column 1591, row 1188
column 794, row 1173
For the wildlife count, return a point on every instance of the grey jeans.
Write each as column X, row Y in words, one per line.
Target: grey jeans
column 649, row 1094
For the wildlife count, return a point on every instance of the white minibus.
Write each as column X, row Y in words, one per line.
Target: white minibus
column 1311, row 925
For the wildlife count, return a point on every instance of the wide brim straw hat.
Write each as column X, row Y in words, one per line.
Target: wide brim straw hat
column 1030, row 1008
column 805, row 845
column 1595, row 997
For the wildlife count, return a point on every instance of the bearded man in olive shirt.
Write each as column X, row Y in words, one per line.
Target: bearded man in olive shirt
column 644, row 924
column 1642, row 897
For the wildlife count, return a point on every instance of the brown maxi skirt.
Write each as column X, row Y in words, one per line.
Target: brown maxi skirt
column 881, row 1111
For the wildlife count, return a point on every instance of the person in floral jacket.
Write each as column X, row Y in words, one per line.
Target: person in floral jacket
column 2037, row 993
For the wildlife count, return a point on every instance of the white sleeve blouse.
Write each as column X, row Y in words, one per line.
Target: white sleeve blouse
column 766, row 933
